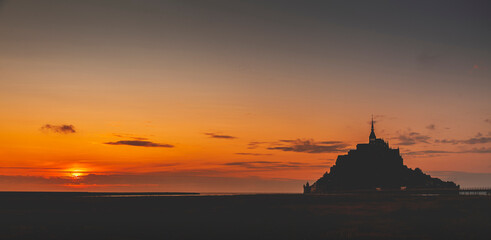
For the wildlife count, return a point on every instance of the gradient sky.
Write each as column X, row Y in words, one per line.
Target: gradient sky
column 238, row 96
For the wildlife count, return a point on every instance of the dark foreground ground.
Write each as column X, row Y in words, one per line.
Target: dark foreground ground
column 82, row 216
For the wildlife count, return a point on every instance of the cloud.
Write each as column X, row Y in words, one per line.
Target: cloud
column 431, row 127
column 254, row 145
column 310, row 146
column 446, row 141
column 256, row 164
column 425, row 152
column 478, row 150
column 214, row 135
column 299, row 145
column 475, row 140
column 330, row 142
column 65, row 129
column 138, row 143
column 13, row 180
column 430, row 152
column 275, row 165
column 254, row 154
column 412, row 138
column 129, row 136
column 32, row 168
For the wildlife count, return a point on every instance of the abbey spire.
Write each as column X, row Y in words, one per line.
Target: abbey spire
column 372, row 137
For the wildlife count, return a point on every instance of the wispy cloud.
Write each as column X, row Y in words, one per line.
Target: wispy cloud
column 253, row 154
column 478, row 150
column 412, row 138
column 330, row 142
column 475, row 140
column 32, row 168
column 310, row 146
column 432, row 152
column 139, row 143
column 427, row 152
column 254, row 145
column 130, row 136
column 275, row 165
column 64, row 128
column 214, row 135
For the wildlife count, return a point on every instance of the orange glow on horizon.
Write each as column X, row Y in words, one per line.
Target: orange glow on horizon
column 179, row 105
column 76, row 173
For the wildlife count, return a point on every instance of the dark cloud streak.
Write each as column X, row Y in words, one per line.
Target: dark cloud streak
column 475, row 140
column 412, row 138
column 254, row 154
column 310, row 146
column 64, row 128
column 254, row 145
column 138, row 143
column 482, row 150
column 129, row 136
column 275, row 165
column 214, row 135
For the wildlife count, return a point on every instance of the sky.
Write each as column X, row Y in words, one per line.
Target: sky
column 238, row 96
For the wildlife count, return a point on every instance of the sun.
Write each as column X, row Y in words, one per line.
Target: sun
column 76, row 173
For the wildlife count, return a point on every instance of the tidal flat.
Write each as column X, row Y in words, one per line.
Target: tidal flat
column 254, row 216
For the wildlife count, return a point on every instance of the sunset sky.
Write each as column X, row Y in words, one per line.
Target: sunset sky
column 238, row 96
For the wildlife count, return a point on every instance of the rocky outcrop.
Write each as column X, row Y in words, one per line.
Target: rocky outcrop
column 374, row 166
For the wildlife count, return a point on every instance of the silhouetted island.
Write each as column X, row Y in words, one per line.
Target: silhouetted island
column 374, row 166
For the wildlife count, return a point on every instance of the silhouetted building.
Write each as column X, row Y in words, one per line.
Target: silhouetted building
column 372, row 166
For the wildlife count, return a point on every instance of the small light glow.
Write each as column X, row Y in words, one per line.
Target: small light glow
column 76, row 173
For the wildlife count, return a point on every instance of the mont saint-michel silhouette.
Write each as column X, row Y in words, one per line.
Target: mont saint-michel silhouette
column 374, row 166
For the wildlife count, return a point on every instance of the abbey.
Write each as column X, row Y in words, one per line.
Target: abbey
column 373, row 165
